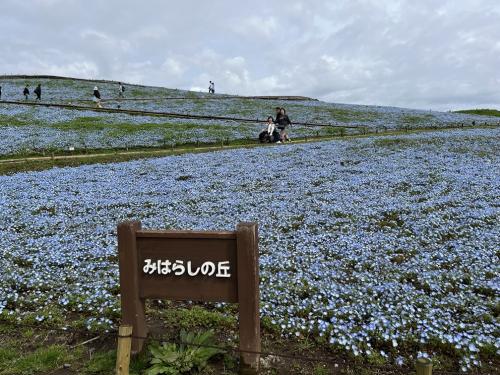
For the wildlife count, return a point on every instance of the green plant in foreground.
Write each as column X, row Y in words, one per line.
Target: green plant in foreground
column 171, row 359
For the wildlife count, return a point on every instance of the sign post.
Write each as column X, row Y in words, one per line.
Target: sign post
column 195, row 266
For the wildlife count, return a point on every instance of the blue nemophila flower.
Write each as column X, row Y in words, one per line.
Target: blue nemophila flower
column 388, row 246
column 28, row 129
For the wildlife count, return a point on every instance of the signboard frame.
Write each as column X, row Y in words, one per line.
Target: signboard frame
column 147, row 271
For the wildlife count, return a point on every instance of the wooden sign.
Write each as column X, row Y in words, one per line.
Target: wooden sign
column 194, row 266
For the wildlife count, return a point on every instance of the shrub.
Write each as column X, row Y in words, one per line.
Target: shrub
column 171, row 359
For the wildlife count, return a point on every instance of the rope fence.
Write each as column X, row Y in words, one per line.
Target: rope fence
column 169, row 114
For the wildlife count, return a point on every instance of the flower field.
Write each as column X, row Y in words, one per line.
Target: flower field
column 384, row 246
column 28, row 130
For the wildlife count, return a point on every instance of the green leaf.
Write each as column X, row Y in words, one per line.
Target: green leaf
column 170, row 359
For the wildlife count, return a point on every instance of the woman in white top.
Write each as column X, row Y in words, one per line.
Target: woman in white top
column 269, row 134
column 270, row 125
column 97, row 97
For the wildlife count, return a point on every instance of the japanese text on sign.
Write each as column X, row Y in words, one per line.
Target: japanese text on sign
column 179, row 268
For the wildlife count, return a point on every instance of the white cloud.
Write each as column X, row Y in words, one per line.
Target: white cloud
column 101, row 39
column 173, row 67
column 75, row 69
column 264, row 26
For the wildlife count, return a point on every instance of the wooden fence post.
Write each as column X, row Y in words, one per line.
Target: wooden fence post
column 248, row 296
column 132, row 306
column 123, row 351
column 424, row 366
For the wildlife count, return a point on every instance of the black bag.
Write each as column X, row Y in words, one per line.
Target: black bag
column 264, row 137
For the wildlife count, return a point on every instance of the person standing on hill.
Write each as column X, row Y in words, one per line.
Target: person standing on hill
column 26, row 92
column 282, row 122
column 278, row 114
column 38, row 92
column 121, row 90
column 0, row 92
column 97, row 97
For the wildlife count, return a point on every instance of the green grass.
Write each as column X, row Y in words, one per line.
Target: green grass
column 42, row 359
column 101, row 363
column 104, row 362
column 481, row 112
column 416, row 119
column 19, row 120
column 198, row 317
column 6, row 355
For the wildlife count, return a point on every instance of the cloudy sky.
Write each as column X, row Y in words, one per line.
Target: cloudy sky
column 423, row 54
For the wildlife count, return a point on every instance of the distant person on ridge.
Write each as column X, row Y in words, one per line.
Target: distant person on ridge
column 97, row 97
column 283, row 121
column 121, row 89
column 38, row 92
column 0, row 92
column 26, row 92
column 211, row 88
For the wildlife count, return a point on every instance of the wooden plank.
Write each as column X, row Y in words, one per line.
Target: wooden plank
column 185, row 234
column 185, row 287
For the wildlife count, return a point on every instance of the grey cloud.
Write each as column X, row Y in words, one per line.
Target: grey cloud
column 426, row 54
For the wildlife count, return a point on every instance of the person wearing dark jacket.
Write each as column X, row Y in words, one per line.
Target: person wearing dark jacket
column 278, row 114
column 97, row 97
column 38, row 92
column 26, row 92
column 0, row 92
column 282, row 122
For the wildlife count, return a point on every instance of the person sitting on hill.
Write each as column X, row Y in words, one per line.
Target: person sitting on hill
column 97, row 97
column 38, row 92
column 269, row 134
column 26, row 92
